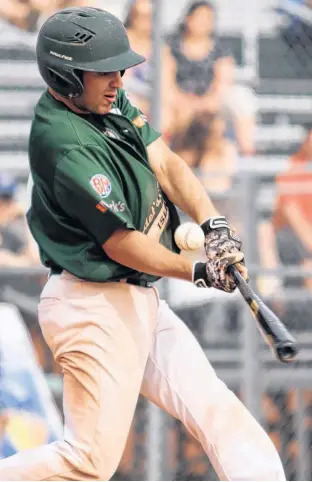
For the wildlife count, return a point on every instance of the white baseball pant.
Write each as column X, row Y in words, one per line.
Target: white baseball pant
column 113, row 341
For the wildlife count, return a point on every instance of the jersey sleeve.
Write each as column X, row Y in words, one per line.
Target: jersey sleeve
column 138, row 119
column 89, row 189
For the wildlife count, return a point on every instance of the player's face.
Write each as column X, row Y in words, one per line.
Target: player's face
column 100, row 91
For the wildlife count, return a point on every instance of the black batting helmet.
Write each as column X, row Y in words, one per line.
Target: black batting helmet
column 82, row 39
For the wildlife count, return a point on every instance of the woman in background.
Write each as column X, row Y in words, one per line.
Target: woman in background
column 29, row 14
column 287, row 237
column 203, row 77
column 206, row 149
column 138, row 80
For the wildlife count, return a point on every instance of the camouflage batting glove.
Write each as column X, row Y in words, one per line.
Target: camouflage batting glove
column 219, row 237
column 213, row 273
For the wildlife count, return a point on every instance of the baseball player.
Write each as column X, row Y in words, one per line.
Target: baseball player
column 102, row 212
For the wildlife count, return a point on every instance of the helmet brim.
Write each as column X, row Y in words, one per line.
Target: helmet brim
column 124, row 61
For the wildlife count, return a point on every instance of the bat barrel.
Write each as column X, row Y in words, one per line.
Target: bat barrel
column 275, row 333
column 286, row 351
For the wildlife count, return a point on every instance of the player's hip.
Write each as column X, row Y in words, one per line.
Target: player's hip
column 69, row 307
column 62, row 285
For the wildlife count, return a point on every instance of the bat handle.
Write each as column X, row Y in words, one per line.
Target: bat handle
column 234, row 271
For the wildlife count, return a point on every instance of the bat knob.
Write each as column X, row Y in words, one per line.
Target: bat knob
column 286, row 352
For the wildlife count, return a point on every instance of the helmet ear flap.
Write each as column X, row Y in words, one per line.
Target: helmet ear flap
column 67, row 82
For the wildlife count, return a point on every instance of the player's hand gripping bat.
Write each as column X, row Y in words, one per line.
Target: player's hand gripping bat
column 275, row 333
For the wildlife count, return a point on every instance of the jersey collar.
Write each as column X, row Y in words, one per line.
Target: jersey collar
column 67, row 102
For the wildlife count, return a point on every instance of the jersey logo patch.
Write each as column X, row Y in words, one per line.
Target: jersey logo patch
column 101, row 207
column 101, row 185
column 140, row 121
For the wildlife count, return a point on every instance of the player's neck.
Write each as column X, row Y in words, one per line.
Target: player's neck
column 69, row 103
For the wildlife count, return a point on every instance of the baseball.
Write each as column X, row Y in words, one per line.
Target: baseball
column 189, row 236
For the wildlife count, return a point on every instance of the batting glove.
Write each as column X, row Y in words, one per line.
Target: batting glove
column 213, row 273
column 219, row 238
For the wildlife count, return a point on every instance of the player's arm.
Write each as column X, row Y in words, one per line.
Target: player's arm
column 141, row 253
column 179, row 183
column 136, row 250
column 182, row 187
column 186, row 191
column 87, row 197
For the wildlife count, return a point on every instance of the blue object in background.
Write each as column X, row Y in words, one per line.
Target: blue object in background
column 8, row 185
column 26, row 404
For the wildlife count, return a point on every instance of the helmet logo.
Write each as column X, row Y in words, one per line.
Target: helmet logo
column 101, row 185
column 60, row 56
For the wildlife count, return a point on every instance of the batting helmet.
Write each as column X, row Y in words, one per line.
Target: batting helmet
column 82, row 39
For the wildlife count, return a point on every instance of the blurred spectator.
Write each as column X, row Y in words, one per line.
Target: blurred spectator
column 16, row 245
column 205, row 148
column 137, row 80
column 287, row 238
column 27, row 15
column 203, row 76
column 292, row 220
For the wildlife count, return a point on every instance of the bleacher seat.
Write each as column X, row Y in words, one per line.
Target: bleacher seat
column 17, row 105
column 284, row 90
column 20, row 75
column 14, row 134
column 278, row 61
column 20, row 88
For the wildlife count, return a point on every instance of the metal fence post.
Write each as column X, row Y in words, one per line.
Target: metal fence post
column 155, row 100
column 302, row 436
column 251, row 388
column 157, row 420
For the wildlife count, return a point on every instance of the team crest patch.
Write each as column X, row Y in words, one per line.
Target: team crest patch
column 140, row 121
column 110, row 133
column 101, row 185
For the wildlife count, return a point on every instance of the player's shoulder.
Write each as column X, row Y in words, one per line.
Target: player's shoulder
column 57, row 128
column 51, row 116
column 125, row 107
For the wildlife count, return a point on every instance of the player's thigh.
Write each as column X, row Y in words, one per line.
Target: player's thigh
column 178, row 376
column 102, row 346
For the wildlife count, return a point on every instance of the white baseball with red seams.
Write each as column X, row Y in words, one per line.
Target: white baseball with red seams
column 189, row 236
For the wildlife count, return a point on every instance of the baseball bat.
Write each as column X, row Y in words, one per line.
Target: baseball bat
column 272, row 329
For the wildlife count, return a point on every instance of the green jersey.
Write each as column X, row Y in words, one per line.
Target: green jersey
column 91, row 176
